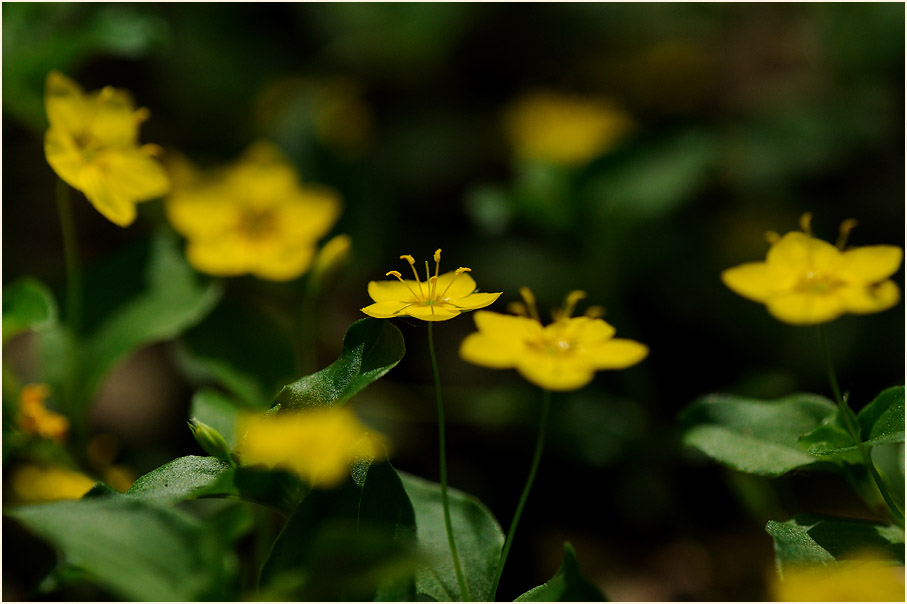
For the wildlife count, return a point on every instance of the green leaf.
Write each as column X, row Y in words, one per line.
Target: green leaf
column 27, row 304
column 567, row 585
column 371, row 348
column 813, row 539
column 185, row 478
column 136, row 549
column 882, row 420
column 351, row 542
column 478, row 536
column 755, row 436
column 175, row 299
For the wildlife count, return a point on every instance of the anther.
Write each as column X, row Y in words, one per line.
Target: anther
column 595, row 312
column 438, row 255
column 395, row 274
column 844, row 232
column 408, row 258
column 152, row 149
column 517, row 308
column 462, row 270
column 141, row 114
column 412, row 265
column 772, row 237
column 570, row 303
column 457, row 273
column 106, row 94
column 805, row 221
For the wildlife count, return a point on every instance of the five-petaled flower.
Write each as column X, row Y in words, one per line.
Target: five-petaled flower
column 563, row 355
column 92, row 144
column 253, row 217
column 438, row 298
column 807, row 281
column 317, row 445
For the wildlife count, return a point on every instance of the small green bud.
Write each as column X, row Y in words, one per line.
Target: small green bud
column 210, row 440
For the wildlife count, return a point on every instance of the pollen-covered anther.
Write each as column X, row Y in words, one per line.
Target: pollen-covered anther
column 772, row 236
column 571, row 301
column 595, row 312
column 408, row 258
column 106, row 94
column 462, row 270
column 394, row 274
column 152, row 150
column 529, row 299
column 141, row 114
column 437, row 255
column 806, row 223
column 517, row 308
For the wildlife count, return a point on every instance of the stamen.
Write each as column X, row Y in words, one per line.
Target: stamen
column 412, row 265
column 529, row 299
column 432, row 281
column 152, row 149
column 437, row 267
column 400, row 277
column 428, row 281
column 106, row 94
column 517, row 308
column 805, row 221
column 772, row 237
column 844, row 232
column 457, row 273
column 595, row 312
column 141, row 114
column 570, row 303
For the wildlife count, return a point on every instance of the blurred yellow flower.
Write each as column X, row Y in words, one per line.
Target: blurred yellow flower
column 807, row 281
column 36, row 419
column 564, row 129
column 253, row 217
column 438, row 298
column 34, row 484
column 861, row 580
column 92, row 144
column 563, row 355
column 317, row 445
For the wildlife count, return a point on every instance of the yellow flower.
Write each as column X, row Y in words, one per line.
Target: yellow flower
column 861, row 580
column 563, row 129
column 36, row 419
column 254, row 217
column 33, row 483
column 563, row 355
column 807, row 281
column 317, row 445
column 438, row 298
column 92, row 144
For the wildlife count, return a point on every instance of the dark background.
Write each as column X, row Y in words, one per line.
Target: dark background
column 747, row 116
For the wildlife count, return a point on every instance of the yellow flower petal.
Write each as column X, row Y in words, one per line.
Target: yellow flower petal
column 394, row 291
column 799, row 250
column 385, row 310
column 554, row 372
column 862, row 300
column 134, row 174
column 310, row 213
column 457, row 286
column 113, row 119
column 111, row 203
column 582, row 330
column 224, row 256
column 474, row 301
column 614, row 354
column 283, row 263
column 758, row 280
column 805, row 308
column 871, row 263
column 65, row 104
column 431, row 312
column 64, row 156
column 201, row 213
column 507, row 326
column 492, row 351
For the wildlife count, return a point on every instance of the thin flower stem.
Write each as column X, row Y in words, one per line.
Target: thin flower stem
column 71, row 255
column 850, row 423
column 536, row 458
column 461, row 580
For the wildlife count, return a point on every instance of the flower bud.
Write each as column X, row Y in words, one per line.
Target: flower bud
column 210, row 440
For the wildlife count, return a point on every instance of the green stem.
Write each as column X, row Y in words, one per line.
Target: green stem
column 536, row 458
column 71, row 255
column 850, row 423
column 461, row 581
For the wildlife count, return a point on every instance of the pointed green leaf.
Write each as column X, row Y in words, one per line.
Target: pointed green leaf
column 371, row 348
column 134, row 548
column 882, row 420
column 755, row 436
column 567, row 585
column 478, row 536
column 27, row 304
column 175, row 299
column 184, row 478
column 813, row 539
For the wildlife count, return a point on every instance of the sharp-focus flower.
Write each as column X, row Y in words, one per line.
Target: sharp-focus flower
column 859, row 580
column 317, row 445
column 807, row 281
column 92, row 144
column 563, row 355
column 37, row 484
column 438, row 298
column 36, row 419
column 253, row 217
column 564, row 129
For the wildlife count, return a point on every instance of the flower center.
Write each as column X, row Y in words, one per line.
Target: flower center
column 553, row 344
column 814, row 283
column 427, row 293
column 257, row 224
